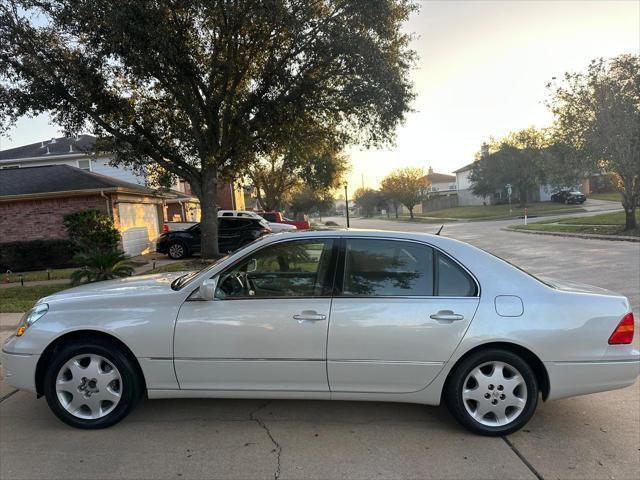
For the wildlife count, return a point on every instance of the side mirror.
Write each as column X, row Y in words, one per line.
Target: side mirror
column 208, row 289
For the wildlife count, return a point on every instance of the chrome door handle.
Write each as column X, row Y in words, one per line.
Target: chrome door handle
column 446, row 316
column 309, row 316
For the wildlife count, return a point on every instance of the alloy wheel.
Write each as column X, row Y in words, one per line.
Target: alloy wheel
column 494, row 394
column 89, row 386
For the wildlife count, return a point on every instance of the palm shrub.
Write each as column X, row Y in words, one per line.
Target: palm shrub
column 101, row 265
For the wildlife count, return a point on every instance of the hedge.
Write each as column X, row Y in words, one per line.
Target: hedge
column 36, row 255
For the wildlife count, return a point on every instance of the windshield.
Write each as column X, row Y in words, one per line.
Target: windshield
column 187, row 278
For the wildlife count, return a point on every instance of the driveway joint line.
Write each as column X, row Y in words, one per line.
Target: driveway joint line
column 7, row 396
column 278, row 449
column 523, row 458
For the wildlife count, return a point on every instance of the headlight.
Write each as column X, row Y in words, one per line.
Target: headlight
column 31, row 317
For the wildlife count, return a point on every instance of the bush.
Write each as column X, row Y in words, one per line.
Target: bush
column 36, row 255
column 98, row 266
column 91, row 230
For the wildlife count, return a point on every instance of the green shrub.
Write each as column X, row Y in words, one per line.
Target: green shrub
column 91, row 230
column 99, row 265
column 36, row 255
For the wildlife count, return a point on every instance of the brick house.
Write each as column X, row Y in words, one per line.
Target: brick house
column 180, row 206
column 34, row 200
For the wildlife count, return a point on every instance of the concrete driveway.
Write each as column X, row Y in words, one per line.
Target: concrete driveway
column 594, row 436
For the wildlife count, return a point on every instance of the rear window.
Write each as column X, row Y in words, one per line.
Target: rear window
column 269, row 217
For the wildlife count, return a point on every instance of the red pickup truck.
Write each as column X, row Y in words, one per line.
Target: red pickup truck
column 277, row 217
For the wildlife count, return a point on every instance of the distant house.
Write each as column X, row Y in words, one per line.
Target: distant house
column 183, row 206
column 440, row 182
column 34, row 201
column 466, row 197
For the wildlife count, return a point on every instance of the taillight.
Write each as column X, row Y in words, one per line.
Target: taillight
column 623, row 334
column 165, row 228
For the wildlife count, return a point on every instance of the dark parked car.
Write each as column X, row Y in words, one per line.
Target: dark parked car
column 233, row 233
column 568, row 196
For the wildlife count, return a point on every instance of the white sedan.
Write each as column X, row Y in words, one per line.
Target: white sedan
column 344, row 315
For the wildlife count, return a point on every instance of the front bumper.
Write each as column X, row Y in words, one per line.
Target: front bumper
column 568, row 379
column 20, row 369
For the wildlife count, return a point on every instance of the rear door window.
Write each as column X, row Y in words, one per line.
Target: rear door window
column 387, row 268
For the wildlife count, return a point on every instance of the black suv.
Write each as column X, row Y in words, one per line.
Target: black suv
column 569, row 196
column 233, row 232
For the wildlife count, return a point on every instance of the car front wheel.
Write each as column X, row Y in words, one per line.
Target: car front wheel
column 492, row 392
column 91, row 385
column 177, row 251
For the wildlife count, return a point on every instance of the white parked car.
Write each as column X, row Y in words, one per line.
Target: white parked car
column 275, row 227
column 344, row 315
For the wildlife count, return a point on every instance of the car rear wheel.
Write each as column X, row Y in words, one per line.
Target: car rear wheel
column 177, row 251
column 492, row 392
column 91, row 385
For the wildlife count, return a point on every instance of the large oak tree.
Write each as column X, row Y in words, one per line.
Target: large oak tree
column 202, row 88
column 597, row 119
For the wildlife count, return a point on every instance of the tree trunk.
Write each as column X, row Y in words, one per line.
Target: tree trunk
column 395, row 206
column 410, row 212
column 629, row 204
column 209, row 221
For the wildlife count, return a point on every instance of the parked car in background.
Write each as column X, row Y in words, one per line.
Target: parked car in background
column 275, row 227
column 569, row 196
column 342, row 315
column 279, row 218
column 233, row 233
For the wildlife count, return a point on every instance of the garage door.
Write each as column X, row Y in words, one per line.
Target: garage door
column 138, row 227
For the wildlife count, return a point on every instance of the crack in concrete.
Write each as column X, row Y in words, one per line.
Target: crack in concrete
column 278, row 449
column 523, row 459
column 7, row 396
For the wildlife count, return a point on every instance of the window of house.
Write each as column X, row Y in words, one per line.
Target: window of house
column 84, row 165
column 288, row 269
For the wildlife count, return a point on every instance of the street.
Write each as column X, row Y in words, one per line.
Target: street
column 593, row 436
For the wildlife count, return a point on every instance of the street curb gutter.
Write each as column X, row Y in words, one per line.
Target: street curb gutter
column 619, row 238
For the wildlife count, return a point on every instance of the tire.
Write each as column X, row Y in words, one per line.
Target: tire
column 177, row 251
column 103, row 384
column 517, row 387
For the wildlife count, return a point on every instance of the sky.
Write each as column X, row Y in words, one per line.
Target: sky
column 482, row 71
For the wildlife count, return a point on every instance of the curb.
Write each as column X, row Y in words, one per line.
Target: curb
column 619, row 238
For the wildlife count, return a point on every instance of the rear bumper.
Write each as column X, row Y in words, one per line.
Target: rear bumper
column 568, row 379
column 20, row 370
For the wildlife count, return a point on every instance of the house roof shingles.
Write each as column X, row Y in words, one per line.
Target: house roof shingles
column 440, row 178
column 54, row 147
column 60, row 178
column 465, row 168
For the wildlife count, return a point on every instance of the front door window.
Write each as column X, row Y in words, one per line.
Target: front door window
column 288, row 269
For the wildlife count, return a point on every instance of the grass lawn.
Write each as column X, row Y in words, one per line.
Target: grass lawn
column 603, row 224
column 54, row 274
column 181, row 266
column 497, row 212
column 21, row 299
column 612, row 196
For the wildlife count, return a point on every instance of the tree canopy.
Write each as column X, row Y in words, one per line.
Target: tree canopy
column 369, row 200
column 206, row 87
column 597, row 120
column 312, row 165
column 519, row 159
column 407, row 186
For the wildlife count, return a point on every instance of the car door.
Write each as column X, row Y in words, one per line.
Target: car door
column 229, row 233
column 402, row 308
column 267, row 328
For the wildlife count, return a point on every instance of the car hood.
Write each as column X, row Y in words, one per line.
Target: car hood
column 568, row 286
column 144, row 284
